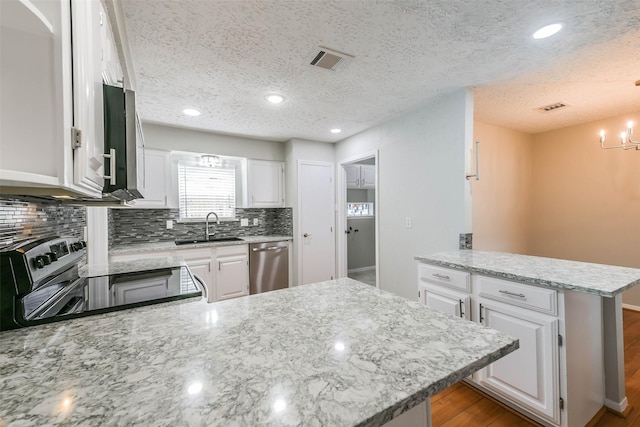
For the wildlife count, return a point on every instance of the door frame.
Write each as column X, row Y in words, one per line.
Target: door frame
column 298, row 237
column 341, row 208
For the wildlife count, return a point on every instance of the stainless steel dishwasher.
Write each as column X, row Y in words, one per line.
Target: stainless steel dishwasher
column 268, row 266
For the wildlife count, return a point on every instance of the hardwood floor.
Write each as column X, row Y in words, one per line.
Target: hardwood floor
column 460, row 405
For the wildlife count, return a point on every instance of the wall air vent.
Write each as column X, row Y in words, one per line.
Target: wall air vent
column 552, row 107
column 330, row 59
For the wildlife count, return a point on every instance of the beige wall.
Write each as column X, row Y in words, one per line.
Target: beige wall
column 585, row 200
column 558, row 194
column 501, row 198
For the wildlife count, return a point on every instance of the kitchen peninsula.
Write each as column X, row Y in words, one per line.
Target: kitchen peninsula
column 567, row 315
column 330, row 353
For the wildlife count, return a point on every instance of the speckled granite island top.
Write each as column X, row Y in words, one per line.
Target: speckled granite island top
column 170, row 245
column 599, row 279
column 335, row 353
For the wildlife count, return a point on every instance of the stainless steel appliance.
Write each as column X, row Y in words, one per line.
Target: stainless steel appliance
column 268, row 266
column 39, row 283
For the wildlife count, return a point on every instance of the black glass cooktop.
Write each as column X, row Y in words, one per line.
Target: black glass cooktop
column 69, row 296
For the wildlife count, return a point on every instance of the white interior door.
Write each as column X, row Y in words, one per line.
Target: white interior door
column 316, row 221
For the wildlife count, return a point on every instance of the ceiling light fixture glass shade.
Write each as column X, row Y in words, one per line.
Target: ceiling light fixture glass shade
column 274, row 99
column 336, row 130
column 547, row 31
column 626, row 143
column 191, row 112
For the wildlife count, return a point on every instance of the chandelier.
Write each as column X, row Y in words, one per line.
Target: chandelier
column 626, row 143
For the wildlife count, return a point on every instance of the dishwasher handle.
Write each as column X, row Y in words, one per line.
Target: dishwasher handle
column 269, row 248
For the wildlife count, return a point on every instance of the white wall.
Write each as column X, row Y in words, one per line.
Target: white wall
column 422, row 158
column 175, row 138
column 294, row 150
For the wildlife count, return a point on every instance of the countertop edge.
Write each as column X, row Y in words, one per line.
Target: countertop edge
column 525, row 279
column 436, row 387
column 171, row 246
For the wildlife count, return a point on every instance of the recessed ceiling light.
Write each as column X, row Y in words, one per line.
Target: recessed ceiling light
column 274, row 99
column 191, row 112
column 547, row 31
column 336, row 130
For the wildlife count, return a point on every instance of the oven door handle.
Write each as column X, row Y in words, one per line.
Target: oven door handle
column 202, row 285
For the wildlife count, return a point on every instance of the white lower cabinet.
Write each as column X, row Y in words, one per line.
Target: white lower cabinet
column 200, row 263
column 556, row 375
column 530, row 374
column 232, row 274
column 224, row 269
column 447, row 301
column 133, row 291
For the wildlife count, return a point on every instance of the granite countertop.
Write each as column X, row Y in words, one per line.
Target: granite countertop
column 170, row 245
column 332, row 353
column 599, row 279
column 131, row 266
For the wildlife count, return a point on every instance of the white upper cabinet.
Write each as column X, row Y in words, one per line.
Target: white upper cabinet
column 361, row 176
column 88, row 116
column 265, row 184
column 156, row 182
column 44, row 94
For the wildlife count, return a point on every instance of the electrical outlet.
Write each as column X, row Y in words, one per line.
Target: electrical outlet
column 169, row 224
column 466, row 241
column 256, row 221
column 244, row 222
column 408, row 222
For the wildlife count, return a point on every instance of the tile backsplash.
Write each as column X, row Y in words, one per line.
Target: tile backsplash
column 26, row 218
column 150, row 225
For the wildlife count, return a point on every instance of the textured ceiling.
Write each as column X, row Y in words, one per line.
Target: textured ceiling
column 223, row 57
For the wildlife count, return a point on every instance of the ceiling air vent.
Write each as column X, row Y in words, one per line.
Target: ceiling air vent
column 330, row 59
column 552, row 107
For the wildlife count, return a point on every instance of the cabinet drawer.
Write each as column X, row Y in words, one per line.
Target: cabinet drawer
column 443, row 276
column 526, row 296
column 232, row 250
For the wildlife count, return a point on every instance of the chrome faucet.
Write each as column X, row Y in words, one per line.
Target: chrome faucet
column 206, row 225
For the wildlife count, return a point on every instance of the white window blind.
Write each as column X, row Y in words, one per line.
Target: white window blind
column 206, row 189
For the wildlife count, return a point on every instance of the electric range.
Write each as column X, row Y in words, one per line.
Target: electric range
column 40, row 283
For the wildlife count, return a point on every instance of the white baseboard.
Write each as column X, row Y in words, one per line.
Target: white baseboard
column 617, row 406
column 358, row 270
column 631, row 307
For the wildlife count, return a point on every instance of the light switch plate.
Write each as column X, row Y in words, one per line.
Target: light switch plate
column 408, row 222
column 244, row 222
column 256, row 221
column 169, row 224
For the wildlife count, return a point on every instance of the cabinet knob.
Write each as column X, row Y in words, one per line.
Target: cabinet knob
column 306, row 235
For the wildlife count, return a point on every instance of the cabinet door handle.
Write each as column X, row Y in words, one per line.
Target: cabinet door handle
column 461, row 312
column 112, row 166
column 512, row 294
column 480, row 314
column 441, row 276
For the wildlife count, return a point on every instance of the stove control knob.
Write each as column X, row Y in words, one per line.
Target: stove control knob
column 53, row 256
column 41, row 260
column 38, row 262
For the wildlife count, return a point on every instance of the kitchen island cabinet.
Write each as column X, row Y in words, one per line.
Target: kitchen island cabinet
column 566, row 315
column 333, row 353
